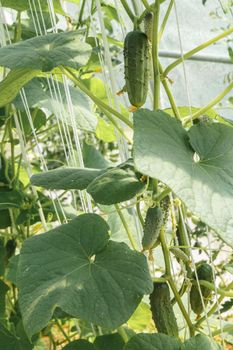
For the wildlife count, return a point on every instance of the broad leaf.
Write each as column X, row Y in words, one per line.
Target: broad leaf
column 23, row 5
column 152, row 342
column 10, row 199
column 66, row 178
column 9, row 341
column 93, row 158
column 76, row 267
column 81, row 344
column 3, row 290
column 141, row 318
column 109, row 341
column 105, row 131
column 196, row 164
column 202, row 342
column 54, row 99
column 15, row 80
column 115, row 186
column 47, row 52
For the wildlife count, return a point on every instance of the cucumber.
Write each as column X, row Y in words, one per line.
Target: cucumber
column 152, row 227
column 136, row 64
column 148, row 25
column 204, row 272
column 162, row 311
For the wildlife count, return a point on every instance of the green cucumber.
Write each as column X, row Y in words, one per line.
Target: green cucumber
column 136, row 63
column 162, row 311
column 148, row 25
column 152, row 227
column 204, row 272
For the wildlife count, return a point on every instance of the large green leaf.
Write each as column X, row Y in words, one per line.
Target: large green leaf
column 3, row 290
column 92, row 157
column 10, row 199
column 109, row 341
column 115, row 186
column 201, row 342
column 196, row 164
column 9, row 341
column 76, row 267
column 152, row 342
column 14, row 81
column 55, row 100
column 81, row 344
column 23, row 5
column 47, row 52
column 66, row 178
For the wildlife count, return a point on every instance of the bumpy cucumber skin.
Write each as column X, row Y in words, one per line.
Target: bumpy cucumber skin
column 148, row 25
column 204, row 272
column 152, row 227
column 136, row 63
column 162, row 311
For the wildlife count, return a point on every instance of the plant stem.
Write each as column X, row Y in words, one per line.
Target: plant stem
column 220, row 291
column 123, row 334
column 214, row 307
column 81, row 14
column 162, row 195
column 197, row 49
column 169, row 94
column 139, row 213
column 146, row 5
column 163, row 25
column 97, row 101
column 126, row 227
column 166, row 254
column 128, row 10
column 62, row 330
column 155, row 55
column 204, row 109
column 225, row 329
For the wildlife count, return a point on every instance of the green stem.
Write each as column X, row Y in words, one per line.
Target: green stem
column 97, row 101
column 139, row 213
column 220, row 291
column 81, row 14
column 197, row 49
column 225, row 329
column 214, row 307
column 166, row 254
column 146, row 5
column 123, row 334
column 62, row 330
column 126, row 227
column 128, row 10
column 163, row 25
column 169, row 94
column 18, row 28
column 162, row 194
column 212, row 103
column 155, row 55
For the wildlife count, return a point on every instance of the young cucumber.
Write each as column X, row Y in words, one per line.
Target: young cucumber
column 136, row 63
column 162, row 311
column 152, row 227
column 204, row 272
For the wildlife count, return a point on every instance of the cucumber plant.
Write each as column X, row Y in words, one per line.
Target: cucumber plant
column 115, row 221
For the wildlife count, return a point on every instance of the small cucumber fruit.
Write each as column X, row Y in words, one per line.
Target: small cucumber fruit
column 162, row 311
column 152, row 227
column 204, row 272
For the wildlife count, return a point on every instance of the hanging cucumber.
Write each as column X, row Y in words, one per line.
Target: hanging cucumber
column 162, row 311
column 204, row 272
column 148, row 25
column 152, row 227
column 136, row 63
